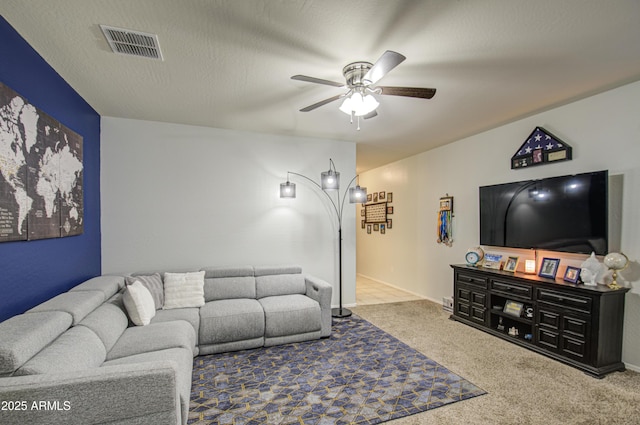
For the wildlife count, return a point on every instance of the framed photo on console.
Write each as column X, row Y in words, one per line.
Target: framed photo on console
column 492, row 261
column 549, row 267
column 572, row 274
column 511, row 264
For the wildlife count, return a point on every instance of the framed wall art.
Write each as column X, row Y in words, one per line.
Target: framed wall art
column 541, row 147
column 41, row 173
column 376, row 212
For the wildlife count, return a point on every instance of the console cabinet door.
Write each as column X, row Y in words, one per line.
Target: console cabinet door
column 470, row 303
column 564, row 324
column 470, row 297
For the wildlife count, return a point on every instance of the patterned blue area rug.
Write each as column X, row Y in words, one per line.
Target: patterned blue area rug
column 360, row 375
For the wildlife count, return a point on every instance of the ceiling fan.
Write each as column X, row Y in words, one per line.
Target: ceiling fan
column 360, row 79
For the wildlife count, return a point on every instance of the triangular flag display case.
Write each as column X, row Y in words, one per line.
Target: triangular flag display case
column 541, row 147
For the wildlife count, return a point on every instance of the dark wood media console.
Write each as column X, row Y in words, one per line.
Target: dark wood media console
column 575, row 324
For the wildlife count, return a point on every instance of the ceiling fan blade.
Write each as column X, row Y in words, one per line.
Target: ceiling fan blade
column 316, row 80
column 370, row 115
column 408, row 91
column 386, row 63
column 322, row 102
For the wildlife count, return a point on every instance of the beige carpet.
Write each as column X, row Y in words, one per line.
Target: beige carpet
column 523, row 387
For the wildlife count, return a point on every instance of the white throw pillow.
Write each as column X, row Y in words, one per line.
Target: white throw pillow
column 139, row 304
column 183, row 290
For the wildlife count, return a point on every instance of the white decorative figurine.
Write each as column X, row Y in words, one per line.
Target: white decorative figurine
column 591, row 271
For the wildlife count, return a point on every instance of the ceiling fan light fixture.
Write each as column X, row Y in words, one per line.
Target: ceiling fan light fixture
column 359, row 105
column 359, row 100
column 346, row 106
column 367, row 104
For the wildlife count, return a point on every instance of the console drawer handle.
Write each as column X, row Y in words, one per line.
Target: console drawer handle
column 564, row 298
column 509, row 288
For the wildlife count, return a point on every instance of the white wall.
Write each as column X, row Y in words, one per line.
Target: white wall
column 181, row 197
column 604, row 131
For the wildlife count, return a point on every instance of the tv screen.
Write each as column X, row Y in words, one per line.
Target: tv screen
column 567, row 213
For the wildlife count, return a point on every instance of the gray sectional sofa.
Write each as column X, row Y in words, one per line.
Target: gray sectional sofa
column 78, row 359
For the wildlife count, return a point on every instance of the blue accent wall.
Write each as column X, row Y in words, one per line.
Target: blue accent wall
column 34, row 271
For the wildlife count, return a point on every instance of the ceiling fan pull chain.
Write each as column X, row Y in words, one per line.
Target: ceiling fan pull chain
column 358, row 123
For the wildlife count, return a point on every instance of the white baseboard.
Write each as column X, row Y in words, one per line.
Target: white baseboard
column 632, row 367
column 399, row 288
column 351, row 305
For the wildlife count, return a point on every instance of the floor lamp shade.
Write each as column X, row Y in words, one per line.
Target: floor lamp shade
column 330, row 180
column 287, row 190
column 358, row 195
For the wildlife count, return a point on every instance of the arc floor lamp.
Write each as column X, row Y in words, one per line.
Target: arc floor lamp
column 330, row 182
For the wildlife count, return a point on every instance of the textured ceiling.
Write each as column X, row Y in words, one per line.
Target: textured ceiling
column 228, row 64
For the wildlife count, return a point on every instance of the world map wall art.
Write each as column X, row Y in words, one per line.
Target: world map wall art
column 41, row 173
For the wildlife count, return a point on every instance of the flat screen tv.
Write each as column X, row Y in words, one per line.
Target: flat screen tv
column 567, row 213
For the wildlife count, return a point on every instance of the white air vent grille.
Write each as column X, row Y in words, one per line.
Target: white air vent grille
column 136, row 43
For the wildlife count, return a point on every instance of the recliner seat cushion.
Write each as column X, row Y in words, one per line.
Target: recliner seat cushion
column 154, row 337
column 189, row 314
column 290, row 315
column 231, row 320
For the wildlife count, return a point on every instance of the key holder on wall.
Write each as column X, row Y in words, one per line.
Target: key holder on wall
column 445, row 221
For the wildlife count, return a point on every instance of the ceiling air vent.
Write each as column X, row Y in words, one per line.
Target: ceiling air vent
column 136, row 43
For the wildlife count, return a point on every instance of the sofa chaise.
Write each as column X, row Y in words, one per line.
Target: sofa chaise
column 79, row 359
